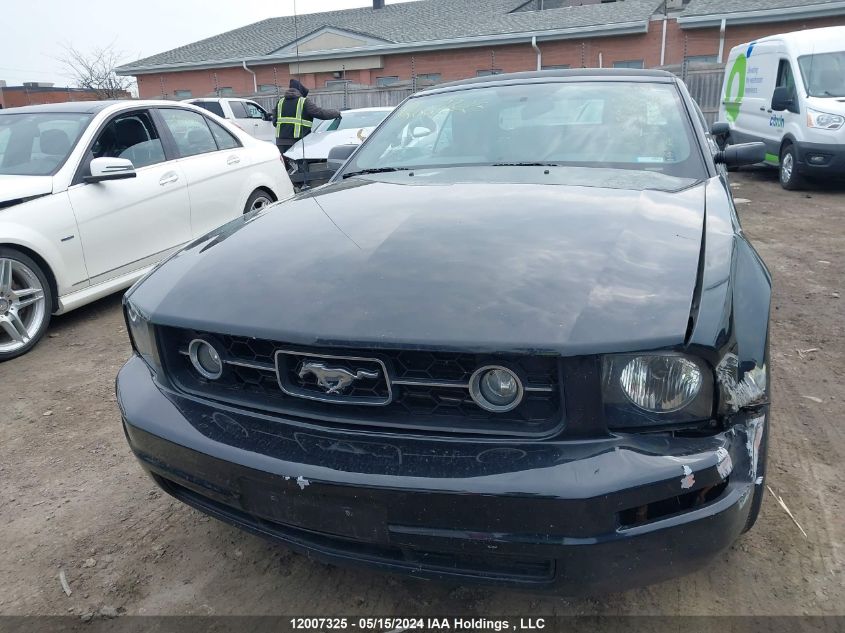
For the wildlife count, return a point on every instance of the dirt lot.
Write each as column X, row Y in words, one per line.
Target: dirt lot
column 73, row 498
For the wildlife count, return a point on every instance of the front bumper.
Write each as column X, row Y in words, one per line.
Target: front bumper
column 538, row 514
column 818, row 159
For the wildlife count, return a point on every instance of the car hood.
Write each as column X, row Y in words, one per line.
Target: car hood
column 24, row 187
column 473, row 266
column 318, row 145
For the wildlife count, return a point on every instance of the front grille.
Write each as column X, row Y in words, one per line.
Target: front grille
column 410, row 389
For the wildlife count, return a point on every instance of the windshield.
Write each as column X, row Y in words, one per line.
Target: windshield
column 624, row 125
column 355, row 120
column 824, row 74
column 38, row 144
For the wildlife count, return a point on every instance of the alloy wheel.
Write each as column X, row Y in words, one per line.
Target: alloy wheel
column 259, row 203
column 786, row 167
column 22, row 305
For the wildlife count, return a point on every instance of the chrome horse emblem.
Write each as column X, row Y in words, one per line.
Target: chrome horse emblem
column 334, row 379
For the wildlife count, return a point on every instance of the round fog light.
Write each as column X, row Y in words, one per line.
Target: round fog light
column 205, row 359
column 496, row 389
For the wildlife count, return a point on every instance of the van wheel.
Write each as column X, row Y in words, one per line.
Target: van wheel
column 26, row 302
column 789, row 177
column 259, row 199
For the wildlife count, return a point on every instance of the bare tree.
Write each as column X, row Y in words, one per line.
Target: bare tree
column 96, row 71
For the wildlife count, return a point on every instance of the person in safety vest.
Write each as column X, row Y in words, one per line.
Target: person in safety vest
column 295, row 114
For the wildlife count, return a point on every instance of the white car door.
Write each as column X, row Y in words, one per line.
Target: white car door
column 259, row 116
column 125, row 225
column 213, row 162
column 249, row 116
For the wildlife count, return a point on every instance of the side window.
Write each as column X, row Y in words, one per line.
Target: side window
column 132, row 136
column 785, row 77
column 190, row 131
column 253, row 111
column 211, row 106
column 223, row 138
column 238, row 109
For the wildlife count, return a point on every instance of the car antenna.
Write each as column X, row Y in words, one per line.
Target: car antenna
column 301, row 140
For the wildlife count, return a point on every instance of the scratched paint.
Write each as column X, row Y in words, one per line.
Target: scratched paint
column 302, row 482
column 741, row 393
column 688, row 480
column 724, row 464
column 753, row 438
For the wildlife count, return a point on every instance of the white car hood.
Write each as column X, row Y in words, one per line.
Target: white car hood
column 18, row 187
column 319, row 144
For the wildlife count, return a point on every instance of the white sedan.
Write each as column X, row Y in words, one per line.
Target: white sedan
column 93, row 194
column 313, row 150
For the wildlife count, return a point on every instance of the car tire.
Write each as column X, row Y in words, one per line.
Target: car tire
column 759, row 489
column 23, row 319
column 259, row 199
column 788, row 174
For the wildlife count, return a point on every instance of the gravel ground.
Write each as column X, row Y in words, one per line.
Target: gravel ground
column 73, row 498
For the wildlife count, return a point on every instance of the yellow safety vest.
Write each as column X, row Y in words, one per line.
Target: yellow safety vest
column 296, row 121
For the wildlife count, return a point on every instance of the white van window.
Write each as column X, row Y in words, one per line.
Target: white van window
column 785, row 78
column 824, row 74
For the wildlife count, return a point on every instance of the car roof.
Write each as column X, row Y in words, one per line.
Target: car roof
column 91, row 107
column 605, row 74
column 84, row 107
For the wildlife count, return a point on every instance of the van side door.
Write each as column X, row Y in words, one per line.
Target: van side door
column 782, row 120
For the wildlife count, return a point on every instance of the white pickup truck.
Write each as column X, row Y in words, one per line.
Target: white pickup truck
column 246, row 114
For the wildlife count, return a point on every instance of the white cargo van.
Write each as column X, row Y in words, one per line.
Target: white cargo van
column 788, row 91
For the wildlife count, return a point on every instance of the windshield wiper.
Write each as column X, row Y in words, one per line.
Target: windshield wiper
column 525, row 165
column 375, row 170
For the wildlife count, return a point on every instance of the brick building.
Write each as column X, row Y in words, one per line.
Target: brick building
column 444, row 40
column 35, row 93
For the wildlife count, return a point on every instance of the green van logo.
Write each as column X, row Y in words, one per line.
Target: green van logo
column 735, row 86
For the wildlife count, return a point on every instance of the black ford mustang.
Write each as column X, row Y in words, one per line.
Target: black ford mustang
column 519, row 338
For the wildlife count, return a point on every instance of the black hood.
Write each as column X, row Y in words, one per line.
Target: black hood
column 298, row 87
column 475, row 266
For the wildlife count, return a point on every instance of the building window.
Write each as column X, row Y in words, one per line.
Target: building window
column 557, row 67
column 182, row 94
column 629, row 63
column 338, row 84
column 488, row 72
column 700, row 59
column 386, row 81
column 225, row 92
column 267, row 88
column 434, row 78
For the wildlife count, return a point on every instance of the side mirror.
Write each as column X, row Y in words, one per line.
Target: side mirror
column 338, row 156
column 783, row 99
column 743, row 154
column 268, row 116
column 110, row 169
column 720, row 129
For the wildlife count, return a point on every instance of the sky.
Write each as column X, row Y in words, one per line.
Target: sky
column 33, row 41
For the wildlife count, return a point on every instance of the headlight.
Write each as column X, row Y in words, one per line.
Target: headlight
column 142, row 335
column 823, row 120
column 656, row 390
column 660, row 384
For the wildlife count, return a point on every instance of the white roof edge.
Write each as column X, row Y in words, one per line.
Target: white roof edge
column 597, row 30
column 763, row 15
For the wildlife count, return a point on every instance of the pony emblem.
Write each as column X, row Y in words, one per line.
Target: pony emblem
column 334, row 379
